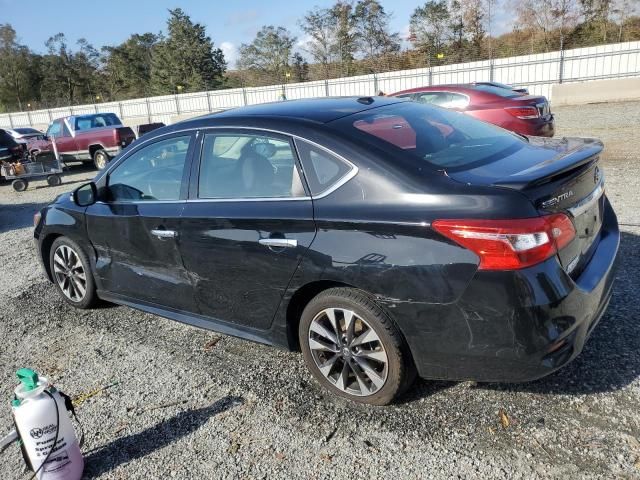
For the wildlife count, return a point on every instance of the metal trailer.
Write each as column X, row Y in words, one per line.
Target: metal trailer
column 35, row 167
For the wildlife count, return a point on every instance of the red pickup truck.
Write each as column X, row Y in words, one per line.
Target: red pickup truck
column 96, row 137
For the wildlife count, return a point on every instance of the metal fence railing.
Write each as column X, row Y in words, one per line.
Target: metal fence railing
column 537, row 72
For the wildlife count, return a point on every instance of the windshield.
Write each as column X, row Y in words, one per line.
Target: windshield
column 443, row 138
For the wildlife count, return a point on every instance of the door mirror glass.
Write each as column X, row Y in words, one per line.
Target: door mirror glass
column 85, row 195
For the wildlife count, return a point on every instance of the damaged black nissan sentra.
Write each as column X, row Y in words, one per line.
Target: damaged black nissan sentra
column 381, row 237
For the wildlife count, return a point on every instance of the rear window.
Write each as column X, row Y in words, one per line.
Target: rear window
column 501, row 92
column 442, row 138
column 27, row 131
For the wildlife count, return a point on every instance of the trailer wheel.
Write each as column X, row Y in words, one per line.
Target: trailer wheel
column 19, row 185
column 54, row 180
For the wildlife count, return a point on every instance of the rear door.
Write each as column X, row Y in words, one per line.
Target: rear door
column 135, row 229
column 246, row 226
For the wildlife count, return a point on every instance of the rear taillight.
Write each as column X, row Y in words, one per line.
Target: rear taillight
column 510, row 244
column 525, row 113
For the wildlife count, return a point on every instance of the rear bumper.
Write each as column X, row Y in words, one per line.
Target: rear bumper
column 513, row 326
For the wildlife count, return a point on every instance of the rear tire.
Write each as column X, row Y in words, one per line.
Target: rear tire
column 71, row 272
column 100, row 159
column 353, row 348
column 19, row 185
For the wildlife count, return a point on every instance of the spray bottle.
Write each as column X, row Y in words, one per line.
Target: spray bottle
column 49, row 443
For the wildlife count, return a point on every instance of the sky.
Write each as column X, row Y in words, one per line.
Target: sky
column 229, row 23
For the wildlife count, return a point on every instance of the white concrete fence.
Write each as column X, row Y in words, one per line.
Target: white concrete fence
column 537, row 72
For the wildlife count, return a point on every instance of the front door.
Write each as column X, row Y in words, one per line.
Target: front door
column 65, row 142
column 135, row 228
column 246, row 226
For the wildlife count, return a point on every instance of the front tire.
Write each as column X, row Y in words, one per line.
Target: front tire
column 71, row 273
column 353, row 348
column 100, row 159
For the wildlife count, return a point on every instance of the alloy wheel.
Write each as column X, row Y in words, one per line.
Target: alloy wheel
column 69, row 273
column 101, row 161
column 348, row 351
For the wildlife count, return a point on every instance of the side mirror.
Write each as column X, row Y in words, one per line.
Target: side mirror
column 85, row 195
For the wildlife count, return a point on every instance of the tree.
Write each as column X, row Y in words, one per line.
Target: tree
column 346, row 41
column 320, row 25
column 127, row 67
column 546, row 18
column 268, row 56
column 473, row 15
column 429, row 26
column 300, row 68
column 59, row 80
column 597, row 13
column 19, row 78
column 186, row 57
column 372, row 27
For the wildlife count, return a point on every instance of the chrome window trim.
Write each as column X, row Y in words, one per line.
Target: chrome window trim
column 344, row 179
column 126, row 155
column 587, row 202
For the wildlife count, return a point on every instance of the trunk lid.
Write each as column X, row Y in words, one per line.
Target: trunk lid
column 557, row 176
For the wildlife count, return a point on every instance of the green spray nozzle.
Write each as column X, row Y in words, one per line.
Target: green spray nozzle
column 28, row 378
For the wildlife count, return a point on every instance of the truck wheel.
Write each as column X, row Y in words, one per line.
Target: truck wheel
column 19, row 185
column 54, row 180
column 100, row 159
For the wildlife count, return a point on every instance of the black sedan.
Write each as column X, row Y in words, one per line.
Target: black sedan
column 381, row 237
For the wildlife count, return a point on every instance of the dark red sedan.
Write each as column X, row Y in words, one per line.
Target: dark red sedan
column 520, row 113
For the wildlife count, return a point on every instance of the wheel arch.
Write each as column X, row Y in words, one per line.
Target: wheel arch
column 45, row 252
column 299, row 300
column 93, row 148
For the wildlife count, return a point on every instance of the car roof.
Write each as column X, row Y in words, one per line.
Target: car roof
column 321, row 110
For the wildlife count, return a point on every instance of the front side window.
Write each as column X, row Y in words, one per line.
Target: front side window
column 248, row 166
column 152, row 173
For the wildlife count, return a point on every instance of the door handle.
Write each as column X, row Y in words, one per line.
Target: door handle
column 279, row 242
column 164, row 233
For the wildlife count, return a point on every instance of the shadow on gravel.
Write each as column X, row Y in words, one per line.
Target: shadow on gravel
column 17, row 216
column 611, row 357
column 123, row 450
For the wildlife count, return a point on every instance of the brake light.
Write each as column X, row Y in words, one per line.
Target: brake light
column 525, row 113
column 510, row 244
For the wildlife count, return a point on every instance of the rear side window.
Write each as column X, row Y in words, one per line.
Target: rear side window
column 237, row 166
column 86, row 122
column 444, row 99
column 322, row 169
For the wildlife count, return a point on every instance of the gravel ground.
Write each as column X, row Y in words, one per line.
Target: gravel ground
column 188, row 403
